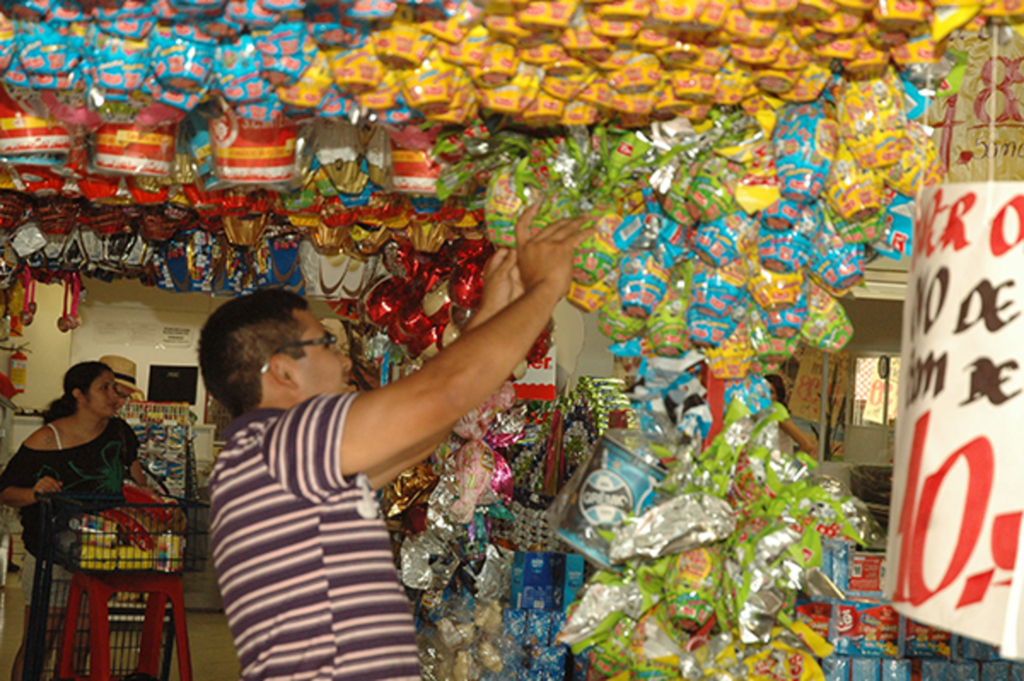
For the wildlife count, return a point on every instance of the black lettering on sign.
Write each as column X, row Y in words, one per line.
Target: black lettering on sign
column 987, row 379
column 990, row 307
column 921, row 374
column 929, row 297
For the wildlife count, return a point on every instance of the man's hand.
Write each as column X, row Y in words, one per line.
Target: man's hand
column 501, row 286
column 546, row 259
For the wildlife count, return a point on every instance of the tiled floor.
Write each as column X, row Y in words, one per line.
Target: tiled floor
column 213, row 652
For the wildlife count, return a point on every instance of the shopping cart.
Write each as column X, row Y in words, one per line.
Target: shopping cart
column 106, row 541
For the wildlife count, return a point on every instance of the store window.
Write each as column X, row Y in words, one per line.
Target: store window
column 876, row 386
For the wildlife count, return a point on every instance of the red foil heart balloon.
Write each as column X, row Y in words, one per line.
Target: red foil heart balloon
column 467, row 284
column 384, row 301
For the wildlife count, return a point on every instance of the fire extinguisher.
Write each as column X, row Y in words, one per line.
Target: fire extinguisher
column 17, row 368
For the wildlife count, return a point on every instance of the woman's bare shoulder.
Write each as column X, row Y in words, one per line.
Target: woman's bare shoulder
column 42, row 439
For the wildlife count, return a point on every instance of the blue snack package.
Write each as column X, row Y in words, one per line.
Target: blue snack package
column 1016, row 671
column 514, row 622
column 995, row 671
column 865, row 669
column 538, row 628
column 970, row 649
column 896, row 670
column 860, row 628
column 965, row 671
column 936, row 670
column 836, row 668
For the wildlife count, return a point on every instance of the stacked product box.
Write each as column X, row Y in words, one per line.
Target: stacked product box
column 543, row 585
column 875, row 643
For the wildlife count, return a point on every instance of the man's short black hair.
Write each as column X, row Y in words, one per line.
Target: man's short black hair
column 239, row 338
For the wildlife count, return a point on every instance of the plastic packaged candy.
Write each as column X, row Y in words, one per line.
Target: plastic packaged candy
column 616, row 324
column 835, row 264
column 286, row 51
column 776, row 289
column 179, row 63
column 253, row 152
column 827, row 328
column 786, row 322
column 731, row 359
column 311, row 88
column 251, row 14
column 854, row 192
column 134, row 149
column 7, row 41
column 617, row 480
column 595, row 259
column 238, row 72
column 872, row 121
column 23, row 132
column 752, row 391
column 786, row 251
column 118, row 65
column 666, row 327
column 783, row 214
column 805, row 146
column 711, row 192
column 131, row 19
column 50, row 50
column 718, row 242
column 918, row 165
column 643, row 281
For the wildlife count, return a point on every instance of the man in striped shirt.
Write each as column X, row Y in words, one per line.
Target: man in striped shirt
column 301, row 552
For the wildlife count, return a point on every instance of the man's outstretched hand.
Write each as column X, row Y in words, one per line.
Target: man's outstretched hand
column 546, row 259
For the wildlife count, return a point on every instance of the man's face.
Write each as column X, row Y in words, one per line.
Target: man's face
column 324, row 369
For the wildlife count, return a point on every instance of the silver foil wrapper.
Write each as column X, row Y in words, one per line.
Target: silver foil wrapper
column 495, row 575
column 598, row 602
column 685, row 522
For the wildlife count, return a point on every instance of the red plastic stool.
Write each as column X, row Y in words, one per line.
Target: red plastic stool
column 99, row 588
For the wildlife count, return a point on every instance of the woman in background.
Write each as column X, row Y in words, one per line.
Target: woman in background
column 791, row 438
column 83, row 448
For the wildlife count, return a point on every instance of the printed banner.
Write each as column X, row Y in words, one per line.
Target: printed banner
column 959, row 469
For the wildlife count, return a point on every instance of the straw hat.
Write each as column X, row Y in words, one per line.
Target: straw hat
column 124, row 371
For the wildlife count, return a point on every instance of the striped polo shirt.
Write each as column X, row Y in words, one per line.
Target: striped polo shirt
column 302, row 554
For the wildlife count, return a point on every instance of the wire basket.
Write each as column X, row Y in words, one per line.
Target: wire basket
column 97, row 534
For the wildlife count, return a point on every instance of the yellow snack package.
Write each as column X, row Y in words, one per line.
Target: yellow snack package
column 855, row 193
column 546, row 15
column 763, row 55
column 641, row 74
column 402, row 46
column 505, row 27
column 811, row 83
column 697, row 86
column 842, row 22
column 776, row 81
column 872, row 122
column 641, row 103
column 731, row 360
column 543, row 55
column 751, row 29
column 624, row 10
column 814, row 10
column 680, row 54
column 907, row 14
column 733, row 83
column 589, row 298
column 386, row 94
column 883, row 37
column 514, row 96
column 650, row 40
column 358, row 70
column 918, row 165
column 544, row 110
column 869, row 59
column 1003, row 8
column 844, row 48
column 793, row 57
column 463, row 107
column 614, row 29
column 449, row 30
column 711, row 59
column 467, row 52
column 776, row 290
column 566, row 88
column 567, row 67
column 677, row 11
column 857, row 5
column 597, row 93
column 430, row 87
column 768, row 6
column 921, row 50
column 580, row 113
column 713, row 17
column 544, row 37
column 809, row 37
column 499, row 65
column 585, row 44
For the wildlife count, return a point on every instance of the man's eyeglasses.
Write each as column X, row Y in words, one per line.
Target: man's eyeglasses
column 330, row 340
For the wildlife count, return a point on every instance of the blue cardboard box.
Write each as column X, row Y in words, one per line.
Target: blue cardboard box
column 538, row 580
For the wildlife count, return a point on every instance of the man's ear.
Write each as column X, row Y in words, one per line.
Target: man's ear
column 281, row 371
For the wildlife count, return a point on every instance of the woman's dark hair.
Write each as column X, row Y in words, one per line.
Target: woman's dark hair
column 779, row 385
column 80, row 376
